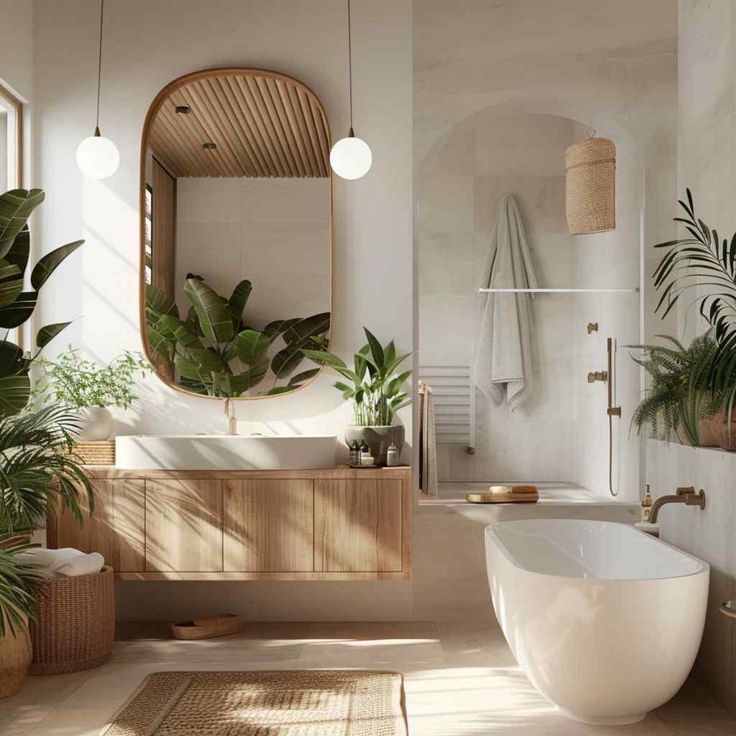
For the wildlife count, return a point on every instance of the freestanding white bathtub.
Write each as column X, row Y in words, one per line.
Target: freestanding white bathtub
column 604, row 619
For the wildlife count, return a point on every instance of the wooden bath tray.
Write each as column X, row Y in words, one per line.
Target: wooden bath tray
column 502, row 497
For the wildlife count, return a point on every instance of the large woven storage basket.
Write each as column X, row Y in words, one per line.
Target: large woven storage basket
column 590, row 188
column 75, row 623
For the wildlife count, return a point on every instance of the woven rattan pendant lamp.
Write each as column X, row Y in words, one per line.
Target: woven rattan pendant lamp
column 590, row 186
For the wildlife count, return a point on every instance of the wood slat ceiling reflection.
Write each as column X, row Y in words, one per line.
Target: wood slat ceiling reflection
column 262, row 127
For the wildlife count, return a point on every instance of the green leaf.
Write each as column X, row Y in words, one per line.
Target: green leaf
column 20, row 251
column 251, row 346
column 14, row 394
column 276, row 390
column 10, row 287
column 300, row 378
column 278, row 326
column 308, row 327
column 47, row 333
column 160, row 302
column 376, row 349
column 213, row 311
column 15, row 314
column 325, row 358
column 50, row 262
column 239, row 298
column 16, row 207
column 11, row 358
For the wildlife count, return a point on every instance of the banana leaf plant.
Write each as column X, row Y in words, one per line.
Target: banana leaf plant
column 17, row 303
column 707, row 263
column 375, row 388
column 214, row 352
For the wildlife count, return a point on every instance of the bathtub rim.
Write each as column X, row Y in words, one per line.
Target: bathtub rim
column 490, row 536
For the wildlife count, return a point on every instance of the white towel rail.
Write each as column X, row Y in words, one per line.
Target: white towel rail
column 454, row 403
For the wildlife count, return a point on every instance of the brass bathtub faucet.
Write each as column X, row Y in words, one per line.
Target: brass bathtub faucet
column 686, row 495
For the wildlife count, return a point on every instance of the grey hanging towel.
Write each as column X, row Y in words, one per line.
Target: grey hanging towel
column 502, row 366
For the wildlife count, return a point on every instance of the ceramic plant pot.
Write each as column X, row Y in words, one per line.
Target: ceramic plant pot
column 378, row 438
column 720, row 426
column 709, row 432
column 15, row 660
column 96, row 424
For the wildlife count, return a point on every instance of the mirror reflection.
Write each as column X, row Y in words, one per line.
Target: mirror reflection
column 236, row 233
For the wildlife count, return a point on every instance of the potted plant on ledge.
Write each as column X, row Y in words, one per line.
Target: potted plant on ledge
column 90, row 389
column 376, row 390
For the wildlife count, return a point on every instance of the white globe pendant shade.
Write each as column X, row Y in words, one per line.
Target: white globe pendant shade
column 98, row 157
column 351, row 158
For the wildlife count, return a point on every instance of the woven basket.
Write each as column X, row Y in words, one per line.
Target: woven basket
column 590, row 191
column 75, row 624
column 96, row 453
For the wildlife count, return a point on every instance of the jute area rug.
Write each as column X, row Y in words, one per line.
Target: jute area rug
column 268, row 703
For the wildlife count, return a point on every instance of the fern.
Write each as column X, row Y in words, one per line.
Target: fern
column 679, row 395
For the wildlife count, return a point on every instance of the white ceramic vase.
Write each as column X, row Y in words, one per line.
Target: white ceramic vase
column 96, row 423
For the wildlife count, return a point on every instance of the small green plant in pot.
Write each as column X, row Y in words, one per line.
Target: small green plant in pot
column 679, row 400
column 377, row 391
column 90, row 388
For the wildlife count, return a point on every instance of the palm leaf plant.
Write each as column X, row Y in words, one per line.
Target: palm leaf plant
column 374, row 386
column 679, row 396
column 214, row 352
column 17, row 304
column 38, row 469
column 705, row 262
column 18, row 581
column 38, row 473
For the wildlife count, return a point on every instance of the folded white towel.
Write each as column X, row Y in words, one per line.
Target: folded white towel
column 65, row 561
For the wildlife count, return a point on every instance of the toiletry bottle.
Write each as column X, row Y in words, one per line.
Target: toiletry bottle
column 646, row 505
column 392, row 456
column 355, row 453
column 365, row 454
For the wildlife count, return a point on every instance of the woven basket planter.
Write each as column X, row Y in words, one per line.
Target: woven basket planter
column 590, row 189
column 75, row 624
column 96, row 453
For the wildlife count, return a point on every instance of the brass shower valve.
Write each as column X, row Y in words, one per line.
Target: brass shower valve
column 594, row 376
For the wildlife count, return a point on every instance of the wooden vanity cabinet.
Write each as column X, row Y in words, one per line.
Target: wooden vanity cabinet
column 333, row 524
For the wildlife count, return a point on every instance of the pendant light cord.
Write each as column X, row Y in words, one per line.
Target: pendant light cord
column 351, row 134
column 99, row 68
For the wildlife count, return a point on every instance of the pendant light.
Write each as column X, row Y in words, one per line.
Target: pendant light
column 97, row 156
column 351, row 157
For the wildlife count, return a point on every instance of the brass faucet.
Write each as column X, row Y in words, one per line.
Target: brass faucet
column 232, row 421
column 687, row 495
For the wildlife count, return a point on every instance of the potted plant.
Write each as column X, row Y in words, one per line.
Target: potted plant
column 17, row 302
column 704, row 261
column 90, row 388
column 37, row 474
column 376, row 390
column 17, row 597
column 678, row 400
column 216, row 352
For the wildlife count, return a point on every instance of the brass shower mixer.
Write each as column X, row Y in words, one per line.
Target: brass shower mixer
column 594, row 376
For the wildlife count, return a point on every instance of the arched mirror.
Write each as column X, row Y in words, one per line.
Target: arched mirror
column 236, row 220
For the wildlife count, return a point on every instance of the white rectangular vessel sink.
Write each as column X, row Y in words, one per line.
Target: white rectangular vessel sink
column 224, row 452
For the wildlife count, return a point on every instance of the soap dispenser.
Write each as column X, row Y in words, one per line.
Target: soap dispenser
column 646, row 505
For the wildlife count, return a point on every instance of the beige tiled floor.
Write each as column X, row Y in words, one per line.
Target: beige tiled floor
column 460, row 679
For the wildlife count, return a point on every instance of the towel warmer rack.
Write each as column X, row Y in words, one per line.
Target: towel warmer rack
column 454, row 403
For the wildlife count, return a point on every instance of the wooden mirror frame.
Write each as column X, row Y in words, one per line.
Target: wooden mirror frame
column 153, row 110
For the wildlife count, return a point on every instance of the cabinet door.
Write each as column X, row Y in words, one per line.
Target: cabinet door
column 357, row 525
column 183, row 525
column 115, row 529
column 268, row 525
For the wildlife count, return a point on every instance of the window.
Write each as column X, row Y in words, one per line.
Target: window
column 11, row 140
column 148, row 235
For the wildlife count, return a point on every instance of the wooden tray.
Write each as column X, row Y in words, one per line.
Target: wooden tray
column 207, row 627
column 502, row 497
